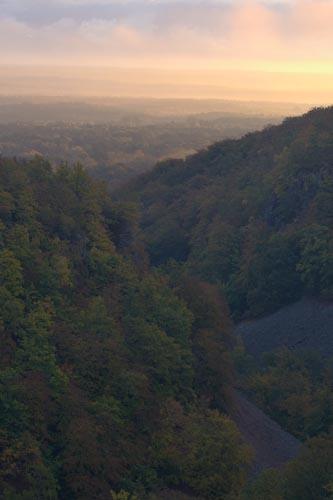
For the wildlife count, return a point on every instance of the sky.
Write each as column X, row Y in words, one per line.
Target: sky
column 286, row 44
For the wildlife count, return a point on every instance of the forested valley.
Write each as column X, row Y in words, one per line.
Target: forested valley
column 118, row 140
column 119, row 360
column 253, row 217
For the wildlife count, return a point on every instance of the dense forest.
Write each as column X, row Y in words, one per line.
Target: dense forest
column 118, row 361
column 111, row 379
column 253, row 216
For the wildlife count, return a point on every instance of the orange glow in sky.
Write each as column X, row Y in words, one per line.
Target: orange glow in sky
column 247, row 49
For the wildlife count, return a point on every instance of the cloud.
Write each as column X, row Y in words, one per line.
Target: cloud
column 168, row 32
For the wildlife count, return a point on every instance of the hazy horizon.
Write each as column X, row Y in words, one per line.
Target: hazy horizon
column 65, row 81
column 226, row 49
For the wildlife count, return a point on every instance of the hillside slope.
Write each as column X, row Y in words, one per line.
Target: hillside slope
column 106, row 372
column 252, row 215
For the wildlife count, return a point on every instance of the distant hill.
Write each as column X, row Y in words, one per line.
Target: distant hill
column 113, row 144
column 253, row 215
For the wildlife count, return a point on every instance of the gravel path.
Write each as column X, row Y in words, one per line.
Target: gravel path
column 272, row 445
column 306, row 325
